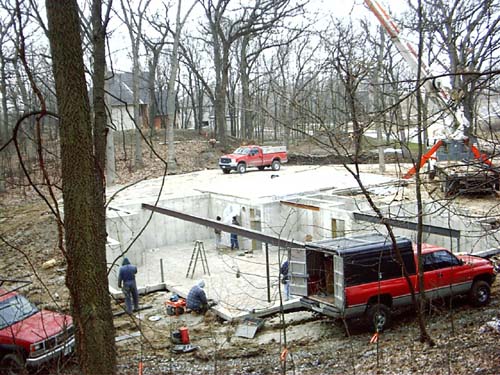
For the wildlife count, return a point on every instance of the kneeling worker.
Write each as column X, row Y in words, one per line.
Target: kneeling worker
column 197, row 299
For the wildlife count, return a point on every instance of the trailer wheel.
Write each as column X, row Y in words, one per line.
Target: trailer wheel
column 480, row 293
column 261, row 168
column 226, row 171
column 378, row 317
column 12, row 364
column 276, row 165
column 242, row 168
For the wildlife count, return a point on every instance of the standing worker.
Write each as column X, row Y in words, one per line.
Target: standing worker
column 217, row 236
column 126, row 281
column 285, row 278
column 197, row 299
column 234, row 236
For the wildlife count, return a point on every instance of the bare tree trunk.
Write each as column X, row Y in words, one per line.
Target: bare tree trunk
column 86, row 276
column 379, row 99
column 110, row 158
column 153, row 107
column 138, row 162
column 4, row 126
column 222, row 69
column 424, row 335
column 133, row 22
column 99, row 105
column 246, row 115
column 171, row 109
column 171, row 89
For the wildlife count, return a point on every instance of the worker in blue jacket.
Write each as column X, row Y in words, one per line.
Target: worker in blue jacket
column 126, row 281
column 285, row 278
column 197, row 299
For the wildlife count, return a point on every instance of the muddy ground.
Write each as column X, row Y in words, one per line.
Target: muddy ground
column 316, row 345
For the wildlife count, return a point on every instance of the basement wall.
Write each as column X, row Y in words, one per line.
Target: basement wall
column 124, row 225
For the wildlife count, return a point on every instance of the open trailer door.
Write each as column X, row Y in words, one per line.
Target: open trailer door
column 338, row 281
column 298, row 272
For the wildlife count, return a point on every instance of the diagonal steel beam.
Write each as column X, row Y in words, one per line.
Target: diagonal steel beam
column 405, row 224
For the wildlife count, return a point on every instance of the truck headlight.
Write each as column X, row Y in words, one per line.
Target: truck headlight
column 36, row 347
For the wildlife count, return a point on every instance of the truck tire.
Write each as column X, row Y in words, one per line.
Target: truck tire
column 276, row 165
column 378, row 317
column 480, row 293
column 226, row 171
column 242, row 168
column 12, row 364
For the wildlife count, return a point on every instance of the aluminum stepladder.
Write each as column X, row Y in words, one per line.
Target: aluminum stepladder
column 198, row 252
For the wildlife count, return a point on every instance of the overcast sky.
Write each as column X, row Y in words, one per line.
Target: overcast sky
column 321, row 11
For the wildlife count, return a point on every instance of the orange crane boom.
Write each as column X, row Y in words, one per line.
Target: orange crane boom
column 436, row 92
column 423, row 160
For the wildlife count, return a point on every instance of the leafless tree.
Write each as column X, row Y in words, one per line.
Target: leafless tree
column 83, row 192
column 464, row 38
column 225, row 28
column 171, row 89
column 5, row 28
column 154, row 47
column 133, row 18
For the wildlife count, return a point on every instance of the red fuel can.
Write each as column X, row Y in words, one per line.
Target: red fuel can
column 184, row 335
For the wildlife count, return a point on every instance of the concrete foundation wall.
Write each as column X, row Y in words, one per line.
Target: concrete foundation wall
column 474, row 236
column 125, row 226
column 226, row 207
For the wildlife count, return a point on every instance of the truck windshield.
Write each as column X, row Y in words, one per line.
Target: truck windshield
column 242, row 151
column 15, row 309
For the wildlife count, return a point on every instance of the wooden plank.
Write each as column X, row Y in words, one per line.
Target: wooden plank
column 300, row 205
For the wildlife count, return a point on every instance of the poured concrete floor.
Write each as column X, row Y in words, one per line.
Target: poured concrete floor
column 237, row 281
column 254, row 184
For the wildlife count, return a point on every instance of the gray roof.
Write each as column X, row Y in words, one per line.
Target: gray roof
column 120, row 85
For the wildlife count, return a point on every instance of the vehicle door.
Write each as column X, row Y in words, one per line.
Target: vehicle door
column 438, row 273
column 298, row 272
column 338, row 281
column 254, row 157
column 462, row 277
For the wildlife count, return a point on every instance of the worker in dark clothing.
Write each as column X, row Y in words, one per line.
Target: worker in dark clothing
column 218, row 234
column 197, row 299
column 285, row 278
column 234, row 236
column 126, row 281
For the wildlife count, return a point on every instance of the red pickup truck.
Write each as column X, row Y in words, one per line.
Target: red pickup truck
column 254, row 156
column 361, row 277
column 30, row 337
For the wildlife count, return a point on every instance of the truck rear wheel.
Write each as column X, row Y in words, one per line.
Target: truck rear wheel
column 12, row 364
column 242, row 168
column 378, row 317
column 480, row 293
column 276, row 165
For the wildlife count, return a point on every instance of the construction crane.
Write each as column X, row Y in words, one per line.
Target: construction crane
column 455, row 123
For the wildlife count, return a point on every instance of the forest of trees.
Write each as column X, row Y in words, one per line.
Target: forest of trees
column 266, row 70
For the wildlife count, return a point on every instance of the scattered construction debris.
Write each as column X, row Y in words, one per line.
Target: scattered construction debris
column 249, row 327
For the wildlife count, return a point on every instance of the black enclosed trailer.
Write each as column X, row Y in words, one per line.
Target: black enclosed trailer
column 321, row 273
